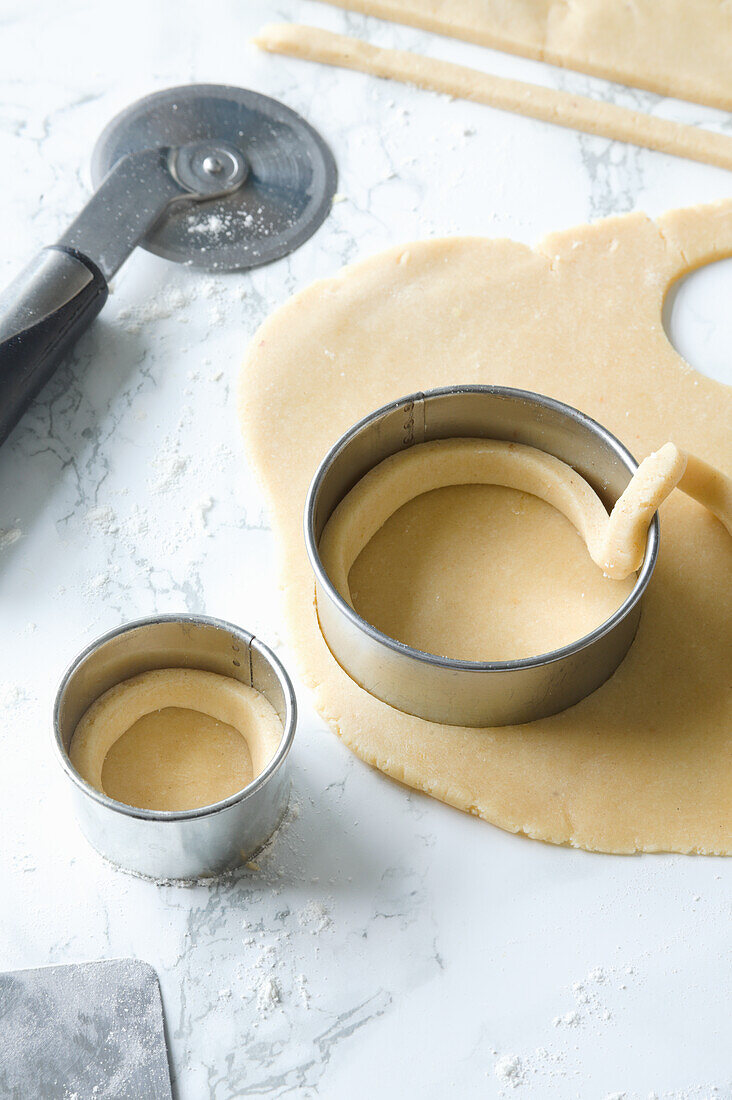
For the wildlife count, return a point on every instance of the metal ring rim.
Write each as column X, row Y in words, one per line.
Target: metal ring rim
column 452, row 663
column 288, row 727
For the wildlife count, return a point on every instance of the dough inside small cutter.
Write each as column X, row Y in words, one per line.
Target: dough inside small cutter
column 175, row 739
column 451, row 570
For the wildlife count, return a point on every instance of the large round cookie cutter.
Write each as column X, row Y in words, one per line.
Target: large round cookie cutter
column 442, row 689
column 185, row 844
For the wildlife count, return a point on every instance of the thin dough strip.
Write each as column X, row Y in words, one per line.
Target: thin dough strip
column 710, row 488
column 616, row 543
column 619, row 548
column 575, row 112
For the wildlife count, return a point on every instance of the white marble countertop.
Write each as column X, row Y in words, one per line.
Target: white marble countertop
column 389, row 945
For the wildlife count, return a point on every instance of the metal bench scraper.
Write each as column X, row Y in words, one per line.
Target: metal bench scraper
column 87, row 1031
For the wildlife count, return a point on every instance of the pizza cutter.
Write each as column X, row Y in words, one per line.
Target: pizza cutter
column 207, row 175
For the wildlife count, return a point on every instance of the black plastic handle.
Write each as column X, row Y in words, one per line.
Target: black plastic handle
column 42, row 313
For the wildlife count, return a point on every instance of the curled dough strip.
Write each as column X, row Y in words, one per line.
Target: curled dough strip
column 616, row 543
column 221, row 697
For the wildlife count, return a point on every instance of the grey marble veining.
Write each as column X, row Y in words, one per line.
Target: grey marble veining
column 384, row 944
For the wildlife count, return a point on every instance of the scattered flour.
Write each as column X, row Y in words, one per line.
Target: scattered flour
column 200, row 510
column 570, row 1019
column 170, row 466
column 302, row 990
column 590, row 1011
column 315, row 917
column 269, row 995
column 9, row 536
column 580, row 993
column 509, row 1069
column 175, row 475
column 211, row 226
column 11, row 695
column 103, row 520
column 168, row 301
column 99, row 584
column 514, row 1070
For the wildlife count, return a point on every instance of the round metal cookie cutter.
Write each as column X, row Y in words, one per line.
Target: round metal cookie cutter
column 186, row 844
column 442, row 689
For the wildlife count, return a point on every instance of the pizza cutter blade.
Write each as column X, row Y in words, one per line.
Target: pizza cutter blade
column 289, row 175
column 206, row 175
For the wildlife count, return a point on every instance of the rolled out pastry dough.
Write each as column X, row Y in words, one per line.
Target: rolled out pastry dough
column 674, row 47
column 222, row 698
column 644, row 763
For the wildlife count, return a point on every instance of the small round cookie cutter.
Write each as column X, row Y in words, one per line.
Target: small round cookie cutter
column 441, row 689
column 187, row 844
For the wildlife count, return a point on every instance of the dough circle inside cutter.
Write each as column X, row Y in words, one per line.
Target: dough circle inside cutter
column 510, row 578
column 175, row 739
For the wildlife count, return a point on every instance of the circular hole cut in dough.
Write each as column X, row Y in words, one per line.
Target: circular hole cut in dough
column 175, row 739
column 698, row 321
column 473, row 549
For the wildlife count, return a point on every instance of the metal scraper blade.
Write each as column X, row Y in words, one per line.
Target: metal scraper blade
column 88, row 1030
column 290, row 179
